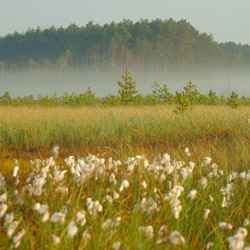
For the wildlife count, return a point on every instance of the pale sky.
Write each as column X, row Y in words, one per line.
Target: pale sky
column 226, row 20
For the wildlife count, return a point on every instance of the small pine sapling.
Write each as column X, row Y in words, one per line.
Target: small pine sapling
column 233, row 101
column 183, row 103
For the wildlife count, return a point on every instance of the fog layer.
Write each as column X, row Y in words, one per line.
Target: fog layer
column 47, row 83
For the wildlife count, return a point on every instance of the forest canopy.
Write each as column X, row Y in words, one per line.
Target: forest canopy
column 156, row 45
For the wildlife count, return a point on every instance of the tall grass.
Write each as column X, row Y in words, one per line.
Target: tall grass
column 122, row 131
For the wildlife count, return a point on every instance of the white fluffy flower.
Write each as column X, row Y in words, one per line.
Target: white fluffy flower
column 93, row 207
column 59, row 175
column 206, row 161
column 163, row 230
column 58, row 217
column 3, row 209
column 166, row 157
column 187, row 153
column 225, row 225
column 224, row 203
column 17, row 239
column 3, row 197
column 116, row 222
column 8, row 218
column 106, row 224
column 236, row 242
column 36, row 206
column 124, row 185
column 116, row 245
column 222, row 224
column 242, row 232
column 176, row 238
column 116, row 196
column 112, row 179
column 62, row 190
column 191, row 164
column 209, row 245
column 45, row 216
column 148, row 231
column 192, row 194
column 108, row 199
column 86, row 236
column 15, row 170
column 12, row 227
column 204, row 182
column 206, row 213
column 211, row 198
column 81, row 218
column 176, row 208
column 144, row 184
column 56, row 239
column 246, row 222
column 43, row 209
column 72, row 229
column 162, row 235
column 56, row 151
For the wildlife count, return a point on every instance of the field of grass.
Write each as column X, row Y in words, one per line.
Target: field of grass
column 125, row 131
column 137, row 198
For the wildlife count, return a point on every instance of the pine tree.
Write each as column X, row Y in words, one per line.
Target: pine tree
column 165, row 95
column 191, row 92
column 183, row 103
column 233, row 100
column 91, row 98
column 128, row 91
column 212, row 97
column 155, row 92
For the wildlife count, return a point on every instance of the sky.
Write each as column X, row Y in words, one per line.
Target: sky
column 226, row 20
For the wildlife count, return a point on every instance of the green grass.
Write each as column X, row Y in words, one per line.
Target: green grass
column 217, row 132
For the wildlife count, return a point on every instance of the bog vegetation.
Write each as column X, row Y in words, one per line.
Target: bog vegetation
column 194, row 198
column 155, row 179
column 167, row 171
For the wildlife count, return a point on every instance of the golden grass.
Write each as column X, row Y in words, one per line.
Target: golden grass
column 122, row 131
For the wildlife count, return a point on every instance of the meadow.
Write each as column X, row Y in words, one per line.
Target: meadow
column 124, row 177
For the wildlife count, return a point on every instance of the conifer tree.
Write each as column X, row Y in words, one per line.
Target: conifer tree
column 212, row 97
column 191, row 92
column 91, row 98
column 165, row 95
column 183, row 103
column 155, row 92
column 128, row 91
column 233, row 100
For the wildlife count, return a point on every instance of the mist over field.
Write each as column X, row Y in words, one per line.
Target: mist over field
column 104, row 83
column 125, row 135
column 167, row 51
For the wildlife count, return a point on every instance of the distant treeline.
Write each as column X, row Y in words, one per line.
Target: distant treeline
column 157, row 45
column 129, row 95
